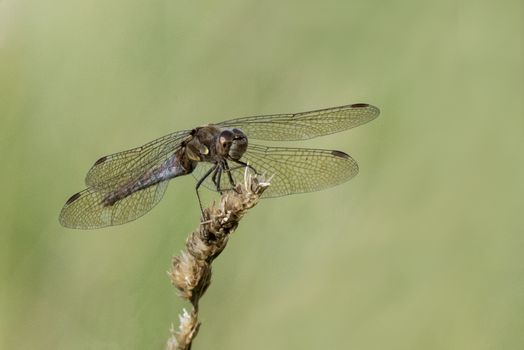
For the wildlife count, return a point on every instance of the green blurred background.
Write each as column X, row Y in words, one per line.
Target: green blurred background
column 422, row 250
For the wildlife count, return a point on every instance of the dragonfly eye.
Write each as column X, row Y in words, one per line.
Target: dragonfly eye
column 226, row 138
column 224, row 142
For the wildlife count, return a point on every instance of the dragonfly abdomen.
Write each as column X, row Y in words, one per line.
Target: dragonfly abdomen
column 170, row 169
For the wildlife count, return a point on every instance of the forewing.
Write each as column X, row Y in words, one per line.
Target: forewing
column 85, row 210
column 305, row 125
column 111, row 171
column 294, row 170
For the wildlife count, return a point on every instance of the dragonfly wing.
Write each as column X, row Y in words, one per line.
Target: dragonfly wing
column 294, row 170
column 112, row 171
column 305, row 125
column 85, row 209
column 300, row 170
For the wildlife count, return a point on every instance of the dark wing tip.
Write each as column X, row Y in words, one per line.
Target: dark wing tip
column 101, row 160
column 340, row 154
column 351, row 161
column 73, row 198
column 359, row 105
column 375, row 109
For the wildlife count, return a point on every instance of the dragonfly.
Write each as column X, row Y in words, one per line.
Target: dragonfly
column 126, row 185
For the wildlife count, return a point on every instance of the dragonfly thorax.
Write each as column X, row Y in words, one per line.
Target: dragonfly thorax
column 231, row 143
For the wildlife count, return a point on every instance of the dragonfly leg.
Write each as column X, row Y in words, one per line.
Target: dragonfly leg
column 231, row 181
column 244, row 164
column 199, row 183
column 217, row 175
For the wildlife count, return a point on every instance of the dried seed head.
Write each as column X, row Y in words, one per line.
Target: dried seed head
column 182, row 338
column 191, row 270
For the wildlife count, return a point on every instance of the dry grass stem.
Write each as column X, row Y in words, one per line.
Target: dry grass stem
column 191, row 270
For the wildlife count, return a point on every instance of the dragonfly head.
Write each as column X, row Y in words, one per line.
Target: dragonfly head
column 232, row 143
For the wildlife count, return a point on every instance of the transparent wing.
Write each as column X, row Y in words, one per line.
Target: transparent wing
column 85, row 210
column 305, row 125
column 294, row 170
column 120, row 168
